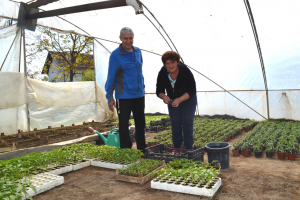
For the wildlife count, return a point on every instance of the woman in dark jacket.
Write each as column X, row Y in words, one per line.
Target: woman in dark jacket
column 176, row 78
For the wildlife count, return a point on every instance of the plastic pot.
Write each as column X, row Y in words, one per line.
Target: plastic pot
column 235, row 152
column 281, row 155
column 246, row 153
column 218, row 151
column 258, row 154
column 291, row 156
column 269, row 154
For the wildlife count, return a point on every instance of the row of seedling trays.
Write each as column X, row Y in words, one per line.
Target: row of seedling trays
column 48, row 180
column 133, row 170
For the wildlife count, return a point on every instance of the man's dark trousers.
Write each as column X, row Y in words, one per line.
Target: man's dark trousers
column 124, row 108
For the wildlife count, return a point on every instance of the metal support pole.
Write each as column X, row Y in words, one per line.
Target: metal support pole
column 95, row 71
column 19, row 72
column 251, row 18
column 76, row 9
column 25, row 74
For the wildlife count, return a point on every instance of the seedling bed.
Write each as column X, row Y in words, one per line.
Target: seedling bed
column 48, row 136
column 141, row 179
column 207, row 130
column 188, row 189
column 162, row 152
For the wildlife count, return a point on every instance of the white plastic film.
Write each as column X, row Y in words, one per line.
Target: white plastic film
column 222, row 103
column 279, row 36
column 63, row 94
column 9, row 9
column 153, row 104
column 13, row 119
column 42, row 117
column 101, row 59
column 10, row 39
column 15, row 89
column 284, row 104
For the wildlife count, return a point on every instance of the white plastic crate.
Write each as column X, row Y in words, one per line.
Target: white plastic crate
column 203, row 191
column 44, row 182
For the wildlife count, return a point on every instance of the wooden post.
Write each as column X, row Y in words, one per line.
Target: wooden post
column 140, row 175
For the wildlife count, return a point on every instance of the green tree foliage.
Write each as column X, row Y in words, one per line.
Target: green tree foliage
column 88, row 75
column 69, row 52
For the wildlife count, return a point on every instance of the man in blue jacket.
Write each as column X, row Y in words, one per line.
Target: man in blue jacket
column 125, row 76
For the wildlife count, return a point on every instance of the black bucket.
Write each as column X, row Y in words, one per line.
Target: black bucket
column 218, row 151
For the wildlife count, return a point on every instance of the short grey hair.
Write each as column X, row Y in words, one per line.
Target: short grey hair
column 126, row 30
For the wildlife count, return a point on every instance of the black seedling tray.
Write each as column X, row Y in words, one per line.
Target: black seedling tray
column 162, row 152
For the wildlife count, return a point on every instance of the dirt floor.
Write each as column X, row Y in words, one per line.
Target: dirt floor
column 246, row 178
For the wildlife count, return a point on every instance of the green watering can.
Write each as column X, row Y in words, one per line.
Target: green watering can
column 113, row 138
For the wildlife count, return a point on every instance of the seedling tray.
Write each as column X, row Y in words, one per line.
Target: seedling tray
column 141, row 179
column 162, row 152
column 108, row 165
column 81, row 165
column 62, row 170
column 200, row 191
column 44, row 182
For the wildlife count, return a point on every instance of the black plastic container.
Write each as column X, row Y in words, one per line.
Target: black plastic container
column 162, row 152
column 269, row 154
column 258, row 154
column 218, row 151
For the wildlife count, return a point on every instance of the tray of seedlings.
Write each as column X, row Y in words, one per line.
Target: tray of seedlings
column 208, row 130
column 281, row 137
column 112, row 157
column 140, row 172
column 55, row 162
column 163, row 152
column 189, row 177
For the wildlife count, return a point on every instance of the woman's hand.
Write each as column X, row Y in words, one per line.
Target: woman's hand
column 166, row 99
column 176, row 102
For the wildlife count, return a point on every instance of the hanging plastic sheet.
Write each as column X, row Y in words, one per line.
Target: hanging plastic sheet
column 285, row 104
column 9, row 9
column 10, row 49
column 222, row 103
column 101, row 59
column 15, row 90
column 13, row 119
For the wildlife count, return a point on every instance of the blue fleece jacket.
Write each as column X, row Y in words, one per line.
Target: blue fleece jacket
column 125, row 75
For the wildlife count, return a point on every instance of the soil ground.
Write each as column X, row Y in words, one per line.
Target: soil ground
column 246, row 178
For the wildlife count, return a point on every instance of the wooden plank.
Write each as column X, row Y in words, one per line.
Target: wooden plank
column 141, row 180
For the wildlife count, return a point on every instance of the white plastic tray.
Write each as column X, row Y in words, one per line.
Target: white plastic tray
column 63, row 170
column 106, row 164
column 187, row 189
column 81, row 165
column 43, row 182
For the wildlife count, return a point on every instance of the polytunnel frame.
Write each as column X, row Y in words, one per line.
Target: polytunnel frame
column 251, row 19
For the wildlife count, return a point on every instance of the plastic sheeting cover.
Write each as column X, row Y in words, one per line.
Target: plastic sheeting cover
column 15, row 90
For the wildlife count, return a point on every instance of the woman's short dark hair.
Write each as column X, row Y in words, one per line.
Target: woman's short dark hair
column 170, row 55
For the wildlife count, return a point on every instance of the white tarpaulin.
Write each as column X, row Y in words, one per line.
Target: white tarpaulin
column 60, row 95
column 14, row 90
column 49, row 103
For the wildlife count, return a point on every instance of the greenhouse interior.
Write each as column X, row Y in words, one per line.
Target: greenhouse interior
column 57, row 128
